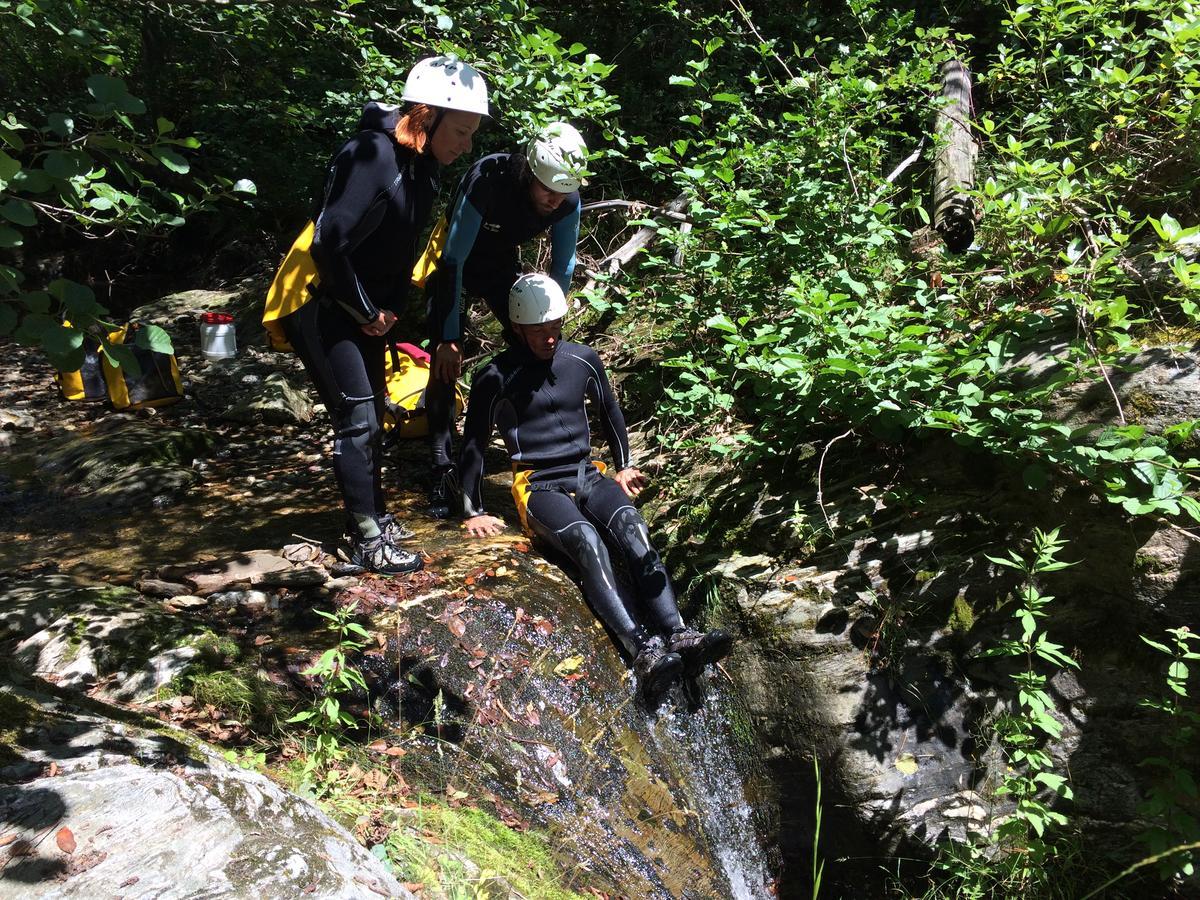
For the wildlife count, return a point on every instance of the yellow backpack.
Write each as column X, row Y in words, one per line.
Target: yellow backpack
column 291, row 287
column 407, row 370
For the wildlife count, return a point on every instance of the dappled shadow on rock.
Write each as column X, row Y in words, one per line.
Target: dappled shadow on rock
column 865, row 650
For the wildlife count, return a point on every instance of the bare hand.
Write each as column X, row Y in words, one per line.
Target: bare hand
column 631, row 481
column 483, row 526
column 382, row 324
column 447, row 362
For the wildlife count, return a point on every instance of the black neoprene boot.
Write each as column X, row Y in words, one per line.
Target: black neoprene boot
column 443, row 492
column 657, row 669
column 698, row 649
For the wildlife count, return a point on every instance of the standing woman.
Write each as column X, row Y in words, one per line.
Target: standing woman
column 378, row 196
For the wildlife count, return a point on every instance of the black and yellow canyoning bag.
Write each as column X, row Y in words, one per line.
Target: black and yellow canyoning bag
column 156, row 384
column 407, row 371
column 87, row 382
column 291, row 288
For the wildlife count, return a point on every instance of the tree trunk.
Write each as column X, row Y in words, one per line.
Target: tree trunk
column 954, row 167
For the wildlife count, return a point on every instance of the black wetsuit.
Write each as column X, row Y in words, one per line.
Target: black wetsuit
column 378, row 196
column 490, row 216
column 539, row 408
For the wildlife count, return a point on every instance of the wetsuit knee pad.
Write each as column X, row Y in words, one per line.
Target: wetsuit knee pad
column 630, row 529
column 582, row 542
column 356, row 423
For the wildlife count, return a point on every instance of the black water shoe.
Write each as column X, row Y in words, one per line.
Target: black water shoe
column 443, row 492
column 698, row 649
column 657, row 669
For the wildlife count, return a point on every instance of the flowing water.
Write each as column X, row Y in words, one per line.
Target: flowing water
column 700, row 743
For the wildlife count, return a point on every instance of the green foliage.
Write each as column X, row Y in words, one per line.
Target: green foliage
column 800, row 305
column 327, row 719
column 82, row 156
column 1023, row 847
column 1173, row 798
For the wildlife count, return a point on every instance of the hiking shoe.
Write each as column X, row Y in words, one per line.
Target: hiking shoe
column 443, row 493
column 698, row 649
column 395, row 530
column 657, row 669
column 381, row 556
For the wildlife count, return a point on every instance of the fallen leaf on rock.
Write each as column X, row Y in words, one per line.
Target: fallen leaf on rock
column 65, row 840
column 568, row 665
column 906, row 764
column 457, row 626
column 475, row 664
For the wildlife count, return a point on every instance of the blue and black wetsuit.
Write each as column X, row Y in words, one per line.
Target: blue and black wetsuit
column 378, row 197
column 490, row 216
column 539, row 408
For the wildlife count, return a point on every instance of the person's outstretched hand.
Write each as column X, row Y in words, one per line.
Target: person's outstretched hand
column 631, row 481
column 483, row 526
column 447, row 362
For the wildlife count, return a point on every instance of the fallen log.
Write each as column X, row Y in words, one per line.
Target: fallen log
column 612, row 263
column 954, row 165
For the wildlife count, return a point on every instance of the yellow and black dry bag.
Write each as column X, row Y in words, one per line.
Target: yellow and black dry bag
column 291, row 287
column 87, row 382
column 157, row 384
column 407, row 370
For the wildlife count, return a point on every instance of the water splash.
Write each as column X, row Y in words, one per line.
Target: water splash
column 699, row 743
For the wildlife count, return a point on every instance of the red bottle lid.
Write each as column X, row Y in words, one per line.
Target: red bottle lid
column 212, row 318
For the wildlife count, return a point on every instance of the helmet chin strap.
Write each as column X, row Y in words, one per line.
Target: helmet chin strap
column 437, row 120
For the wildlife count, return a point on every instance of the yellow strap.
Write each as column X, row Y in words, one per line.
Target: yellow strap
column 520, row 491
column 428, row 262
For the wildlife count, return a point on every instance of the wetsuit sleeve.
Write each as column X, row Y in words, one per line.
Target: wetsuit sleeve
column 460, row 238
column 362, row 176
column 486, row 389
column 609, row 412
column 563, row 238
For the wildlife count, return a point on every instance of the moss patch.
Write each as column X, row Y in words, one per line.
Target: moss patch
column 962, row 616
column 472, row 851
column 16, row 715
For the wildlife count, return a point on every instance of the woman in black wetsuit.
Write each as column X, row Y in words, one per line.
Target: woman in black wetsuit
column 378, row 196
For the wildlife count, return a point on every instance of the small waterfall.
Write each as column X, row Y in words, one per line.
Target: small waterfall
column 699, row 744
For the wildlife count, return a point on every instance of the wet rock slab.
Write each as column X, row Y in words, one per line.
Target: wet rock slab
column 98, row 807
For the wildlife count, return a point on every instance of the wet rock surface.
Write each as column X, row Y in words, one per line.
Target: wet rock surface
column 494, row 681
column 865, row 652
column 96, row 803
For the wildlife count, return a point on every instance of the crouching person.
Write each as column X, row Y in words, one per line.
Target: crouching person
column 535, row 393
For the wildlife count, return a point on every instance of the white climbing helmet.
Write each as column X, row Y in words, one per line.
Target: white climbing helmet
column 447, row 82
column 557, row 155
column 535, row 299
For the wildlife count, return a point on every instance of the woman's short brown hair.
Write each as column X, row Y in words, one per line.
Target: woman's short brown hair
column 412, row 131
